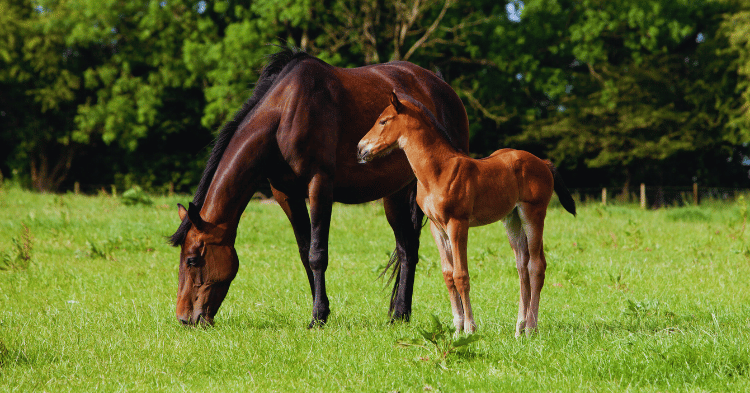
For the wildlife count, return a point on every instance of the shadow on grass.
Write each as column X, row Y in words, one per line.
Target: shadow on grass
column 10, row 356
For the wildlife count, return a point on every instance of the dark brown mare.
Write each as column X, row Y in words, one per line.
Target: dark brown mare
column 457, row 192
column 300, row 130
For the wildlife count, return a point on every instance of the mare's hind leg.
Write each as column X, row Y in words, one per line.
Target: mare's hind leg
column 405, row 218
column 533, row 224
column 446, row 264
column 517, row 240
column 296, row 211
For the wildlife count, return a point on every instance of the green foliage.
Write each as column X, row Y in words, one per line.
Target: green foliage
column 689, row 215
column 136, row 196
column 20, row 257
column 442, row 340
column 736, row 27
column 100, row 250
column 618, row 92
column 644, row 91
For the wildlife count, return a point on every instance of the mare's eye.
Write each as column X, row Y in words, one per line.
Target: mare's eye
column 192, row 261
column 382, row 122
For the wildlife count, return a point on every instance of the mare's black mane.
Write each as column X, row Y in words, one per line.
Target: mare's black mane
column 435, row 123
column 276, row 63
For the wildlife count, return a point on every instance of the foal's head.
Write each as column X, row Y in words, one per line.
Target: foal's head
column 384, row 136
column 208, row 264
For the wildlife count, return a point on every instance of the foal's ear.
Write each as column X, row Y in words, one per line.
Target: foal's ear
column 182, row 212
column 194, row 216
column 395, row 102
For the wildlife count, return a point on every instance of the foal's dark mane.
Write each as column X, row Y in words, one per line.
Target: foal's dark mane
column 434, row 122
column 276, row 63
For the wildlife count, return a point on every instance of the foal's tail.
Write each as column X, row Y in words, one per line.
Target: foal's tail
column 562, row 192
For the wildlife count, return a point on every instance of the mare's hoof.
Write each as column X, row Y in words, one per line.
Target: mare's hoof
column 400, row 317
column 319, row 323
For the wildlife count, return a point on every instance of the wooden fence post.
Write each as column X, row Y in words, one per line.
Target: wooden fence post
column 695, row 194
column 171, row 188
column 76, row 188
column 604, row 196
column 643, row 196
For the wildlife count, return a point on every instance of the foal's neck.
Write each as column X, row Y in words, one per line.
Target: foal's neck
column 427, row 151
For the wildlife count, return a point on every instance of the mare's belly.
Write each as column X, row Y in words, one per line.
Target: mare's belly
column 359, row 183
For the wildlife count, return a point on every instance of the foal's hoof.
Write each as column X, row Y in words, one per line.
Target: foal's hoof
column 527, row 332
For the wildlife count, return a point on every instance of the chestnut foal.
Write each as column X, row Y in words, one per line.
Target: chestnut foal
column 456, row 192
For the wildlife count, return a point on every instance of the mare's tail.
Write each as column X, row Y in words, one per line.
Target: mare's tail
column 562, row 192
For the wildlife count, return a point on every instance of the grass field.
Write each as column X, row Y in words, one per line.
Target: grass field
column 634, row 301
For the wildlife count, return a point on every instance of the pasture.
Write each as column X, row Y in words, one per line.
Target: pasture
column 633, row 301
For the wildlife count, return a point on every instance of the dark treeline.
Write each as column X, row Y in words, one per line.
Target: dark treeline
column 616, row 93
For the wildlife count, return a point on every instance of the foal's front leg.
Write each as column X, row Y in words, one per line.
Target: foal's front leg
column 458, row 232
column 446, row 264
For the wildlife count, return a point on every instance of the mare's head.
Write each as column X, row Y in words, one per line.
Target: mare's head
column 208, row 264
column 384, row 136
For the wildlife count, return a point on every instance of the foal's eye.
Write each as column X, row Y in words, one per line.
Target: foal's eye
column 382, row 122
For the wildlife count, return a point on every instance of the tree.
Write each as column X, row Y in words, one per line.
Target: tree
column 86, row 76
column 736, row 28
column 110, row 92
column 39, row 80
column 643, row 87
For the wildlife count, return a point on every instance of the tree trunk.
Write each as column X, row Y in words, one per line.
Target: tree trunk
column 44, row 179
column 626, row 186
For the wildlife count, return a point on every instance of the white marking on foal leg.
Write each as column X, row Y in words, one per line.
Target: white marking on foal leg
column 517, row 240
column 446, row 263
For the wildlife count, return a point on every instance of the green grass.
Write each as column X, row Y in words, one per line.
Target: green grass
column 634, row 301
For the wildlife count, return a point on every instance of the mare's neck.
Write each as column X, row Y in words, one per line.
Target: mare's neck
column 235, row 181
column 428, row 152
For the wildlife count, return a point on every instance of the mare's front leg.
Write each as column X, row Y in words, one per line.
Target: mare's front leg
column 446, row 264
column 296, row 211
column 458, row 233
column 405, row 218
column 320, row 191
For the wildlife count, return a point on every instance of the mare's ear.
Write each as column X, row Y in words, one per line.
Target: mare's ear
column 182, row 212
column 194, row 216
column 395, row 102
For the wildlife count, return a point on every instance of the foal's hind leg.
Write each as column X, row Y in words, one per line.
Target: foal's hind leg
column 446, row 264
column 533, row 224
column 517, row 239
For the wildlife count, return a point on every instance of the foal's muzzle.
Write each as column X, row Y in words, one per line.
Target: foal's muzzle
column 363, row 154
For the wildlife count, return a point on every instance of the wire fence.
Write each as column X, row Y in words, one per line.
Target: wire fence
column 653, row 197
column 647, row 196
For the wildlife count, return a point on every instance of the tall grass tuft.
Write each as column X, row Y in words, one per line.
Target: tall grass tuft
column 19, row 258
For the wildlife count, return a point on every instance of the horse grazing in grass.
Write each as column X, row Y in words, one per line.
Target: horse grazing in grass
column 299, row 130
column 457, row 192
